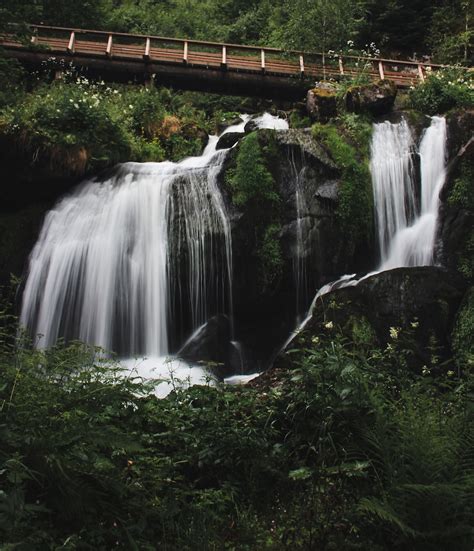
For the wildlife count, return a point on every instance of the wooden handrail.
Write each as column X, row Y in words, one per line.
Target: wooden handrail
column 228, row 46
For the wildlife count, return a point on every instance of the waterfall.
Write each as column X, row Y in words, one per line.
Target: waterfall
column 138, row 261
column 406, row 231
column 299, row 254
column 100, row 271
column 406, row 226
column 413, row 244
column 392, row 170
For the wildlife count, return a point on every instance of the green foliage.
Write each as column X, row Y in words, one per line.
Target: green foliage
column 270, row 256
column 355, row 208
column 252, row 182
column 253, row 187
column 299, row 120
column 442, row 91
column 12, row 78
column 461, row 196
column 347, row 449
column 462, row 192
column 451, row 31
column 77, row 125
column 463, row 333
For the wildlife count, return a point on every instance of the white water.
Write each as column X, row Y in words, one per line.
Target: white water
column 108, row 266
column 299, row 253
column 391, row 166
column 413, row 245
column 406, row 231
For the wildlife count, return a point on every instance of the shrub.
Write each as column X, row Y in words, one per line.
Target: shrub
column 355, row 207
column 253, row 187
column 442, row 91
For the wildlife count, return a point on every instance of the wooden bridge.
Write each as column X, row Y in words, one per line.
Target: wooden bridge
column 199, row 65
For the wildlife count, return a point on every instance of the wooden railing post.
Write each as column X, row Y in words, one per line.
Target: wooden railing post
column 301, row 66
column 108, row 50
column 381, row 73
column 185, row 51
column 341, row 66
column 224, row 57
column 72, row 43
column 262, row 58
column 421, row 74
column 146, row 55
column 34, row 37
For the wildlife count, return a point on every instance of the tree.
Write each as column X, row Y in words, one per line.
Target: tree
column 452, row 32
column 319, row 24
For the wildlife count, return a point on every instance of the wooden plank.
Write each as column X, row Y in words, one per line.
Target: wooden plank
column 185, row 52
column 72, row 41
column 421, row 74
column 341, row 66
column 146, row 55
column 381, row 73
column 224, row 57
column 108, row 50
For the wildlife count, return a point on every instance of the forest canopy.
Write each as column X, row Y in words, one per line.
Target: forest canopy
column 441, row 29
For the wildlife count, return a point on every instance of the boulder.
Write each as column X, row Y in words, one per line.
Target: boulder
column 226, row 123
column 321, row 102
column 210, row 344
column 229, row 139
column 421, row 301
column 251, row 126
column 376, row 99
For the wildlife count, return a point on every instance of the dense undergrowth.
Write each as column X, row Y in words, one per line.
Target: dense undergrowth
column 253, row 188
column 348, row 449
column 347, row 141
column 75, row 126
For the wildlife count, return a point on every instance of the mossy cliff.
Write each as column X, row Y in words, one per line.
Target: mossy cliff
column 315, row 182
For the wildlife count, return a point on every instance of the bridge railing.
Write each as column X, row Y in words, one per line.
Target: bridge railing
column 224, row 56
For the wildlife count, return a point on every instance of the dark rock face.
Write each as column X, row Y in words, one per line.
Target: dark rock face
column 308, row 183
column 456, row 218
column 422, row 300
column 222, row 125
column 251, row 126
column 212, row 343
column 321, row 102
column 229, row 139
column 376, row 99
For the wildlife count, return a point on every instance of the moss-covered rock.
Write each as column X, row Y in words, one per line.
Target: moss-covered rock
column 463, row 333
column 321, row 102
column 418, row 305
column 375, row 99
column 456, row 218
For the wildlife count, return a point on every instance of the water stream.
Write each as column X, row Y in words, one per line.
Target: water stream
column 406, row 222
column 137, row 262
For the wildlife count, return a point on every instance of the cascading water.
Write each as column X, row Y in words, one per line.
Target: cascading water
column 413, row 245
column 100, row 271
column 392, row 170
column 299, row 253
column 120, row 263
column 406, row 233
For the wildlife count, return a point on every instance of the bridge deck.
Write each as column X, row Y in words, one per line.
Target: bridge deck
column 204, row 65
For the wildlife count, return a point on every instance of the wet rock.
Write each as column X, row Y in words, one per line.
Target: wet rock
column 420, row 301
column 376, row 99
column 229, row 139
column 321, row 102
column 210, row 344
column 223, row 125
column 251, row 126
